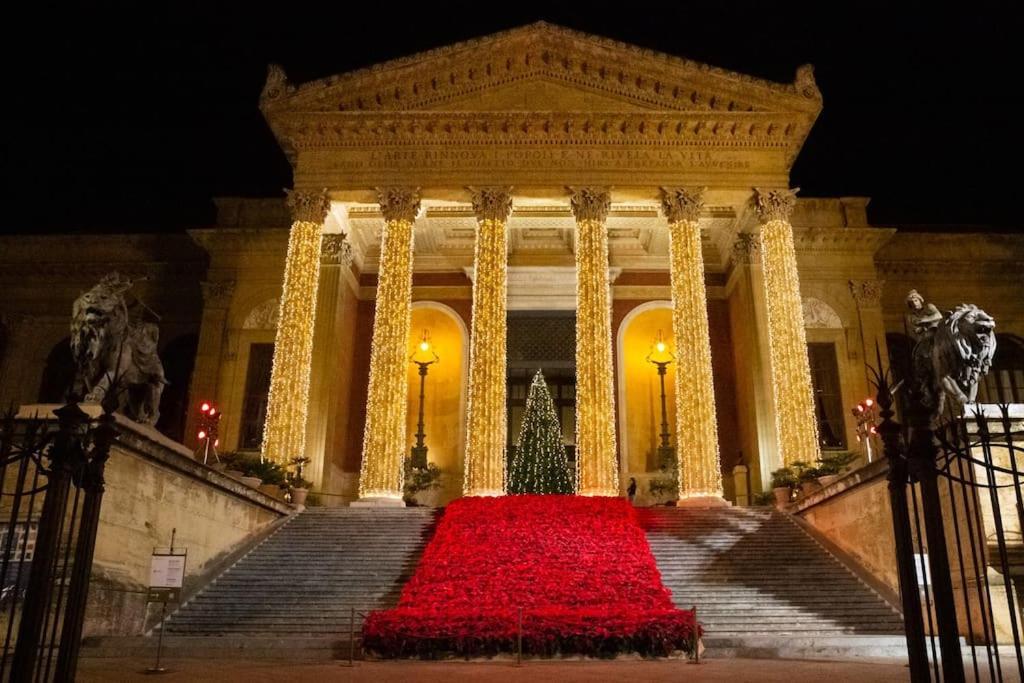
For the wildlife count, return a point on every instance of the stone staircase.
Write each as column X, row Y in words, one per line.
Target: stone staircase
column 764, row 587
column 300, row 584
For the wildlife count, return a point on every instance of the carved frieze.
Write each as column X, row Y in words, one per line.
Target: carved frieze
column 264, row 316
column 682, row 203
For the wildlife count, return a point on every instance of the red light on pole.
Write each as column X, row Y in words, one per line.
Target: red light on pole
column 869, row 402
column 204, row 407
column 202, row 435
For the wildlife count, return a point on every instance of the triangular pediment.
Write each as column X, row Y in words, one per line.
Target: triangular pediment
column 542, row 67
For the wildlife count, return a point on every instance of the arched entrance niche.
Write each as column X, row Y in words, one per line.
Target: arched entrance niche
column 639, row 389
column 444, row 409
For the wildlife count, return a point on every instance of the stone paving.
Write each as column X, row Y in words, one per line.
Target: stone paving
column 731, row 670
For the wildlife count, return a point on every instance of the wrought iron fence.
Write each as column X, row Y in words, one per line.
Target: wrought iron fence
column 51, row 474
column 955, row 491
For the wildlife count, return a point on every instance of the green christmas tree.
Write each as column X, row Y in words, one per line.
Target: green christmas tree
column 539, row 464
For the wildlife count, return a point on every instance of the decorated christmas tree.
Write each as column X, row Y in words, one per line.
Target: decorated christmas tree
column 539, row 464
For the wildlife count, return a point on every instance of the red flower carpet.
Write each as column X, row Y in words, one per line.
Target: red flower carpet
column 580, row 569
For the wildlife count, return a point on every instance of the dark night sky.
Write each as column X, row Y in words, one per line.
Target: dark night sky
column 123, row 121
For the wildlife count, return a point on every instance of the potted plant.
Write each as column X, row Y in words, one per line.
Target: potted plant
column 271, row 473
column 832, row 466
column 764, row 498
column 297, row 486
column 783, row 481
column 419, row 479
column 807, row 477
column 231, row 465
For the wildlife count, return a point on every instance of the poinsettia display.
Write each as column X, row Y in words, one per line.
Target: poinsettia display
column 579, row 568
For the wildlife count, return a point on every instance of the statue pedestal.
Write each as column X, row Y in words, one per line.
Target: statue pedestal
column 378, row 502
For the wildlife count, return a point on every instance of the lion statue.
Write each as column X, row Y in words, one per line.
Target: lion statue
column 114, row 353
column 953, row 355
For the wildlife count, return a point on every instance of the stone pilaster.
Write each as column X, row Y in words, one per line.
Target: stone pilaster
column 596, row 452
column 748, row 322
column 204, row 383
column 335, row 257
column 284, row 434
column 791, row 374
column 700, row 473
column 381, row 477
column 486, row 422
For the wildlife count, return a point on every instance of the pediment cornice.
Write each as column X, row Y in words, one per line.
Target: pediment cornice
column 541, row 51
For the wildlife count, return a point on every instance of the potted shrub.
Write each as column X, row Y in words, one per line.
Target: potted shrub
column 298, row 487
column 663, row 490
column 272, row 475
column 231, row 465
column 832, row 466
column 419, row 479
column 783, row 481
column 807, row 477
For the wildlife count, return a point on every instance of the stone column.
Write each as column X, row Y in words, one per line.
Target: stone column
column 209, row 352
column 486, row 414
column 791, row 374
column 381, row 476
column 867, row 294
column 335, row 259
column 596, row 455
column 700, row 471
column 284, row 434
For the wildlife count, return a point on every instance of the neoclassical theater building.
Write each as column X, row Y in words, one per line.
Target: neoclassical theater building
column 535, row 199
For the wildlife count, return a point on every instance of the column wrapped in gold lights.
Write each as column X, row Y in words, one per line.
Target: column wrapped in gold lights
column 381, row 472
column 791, row 374
column 596, row 456
column 700, row 472
column 486, row 422
column 284, row 432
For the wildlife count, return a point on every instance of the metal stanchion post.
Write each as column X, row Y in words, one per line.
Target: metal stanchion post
column 352, row 637
column 156, row 668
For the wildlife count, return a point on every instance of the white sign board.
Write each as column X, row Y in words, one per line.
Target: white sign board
column 167, row 571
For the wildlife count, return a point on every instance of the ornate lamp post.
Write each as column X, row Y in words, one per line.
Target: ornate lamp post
column 423, row 357
column 661, row 357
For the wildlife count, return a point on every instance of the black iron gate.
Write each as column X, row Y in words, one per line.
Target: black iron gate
column 52, row 488
column 958, row 513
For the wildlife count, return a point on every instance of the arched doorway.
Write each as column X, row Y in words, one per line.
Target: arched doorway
column 178, row 357
column 444, row 405
column 639, row 391
column 58, row 373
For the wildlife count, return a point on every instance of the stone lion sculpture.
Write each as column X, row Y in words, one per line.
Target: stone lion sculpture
column 114, row 353
column 952, row 353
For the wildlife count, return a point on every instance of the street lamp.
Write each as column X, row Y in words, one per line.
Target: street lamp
column 424, row 356
column 660, row 357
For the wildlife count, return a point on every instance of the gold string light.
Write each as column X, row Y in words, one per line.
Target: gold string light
column 700, row 470
column 284, row 431
column 381, row 471
column 795, row 420
column 486, row 424
column 596, row 460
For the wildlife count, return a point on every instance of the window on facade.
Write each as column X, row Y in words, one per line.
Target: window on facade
column 257, row 387
column 1005, row 381
column 828, row 400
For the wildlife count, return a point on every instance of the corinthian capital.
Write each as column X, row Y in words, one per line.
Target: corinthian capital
column 866, row 292
column 335, row 250
column 774, row 205
column 217, row 293
column 682, row 203
column 747, row 248
column 308, row 206
column 491, row 203
column 399, row 203
column 590, row 203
